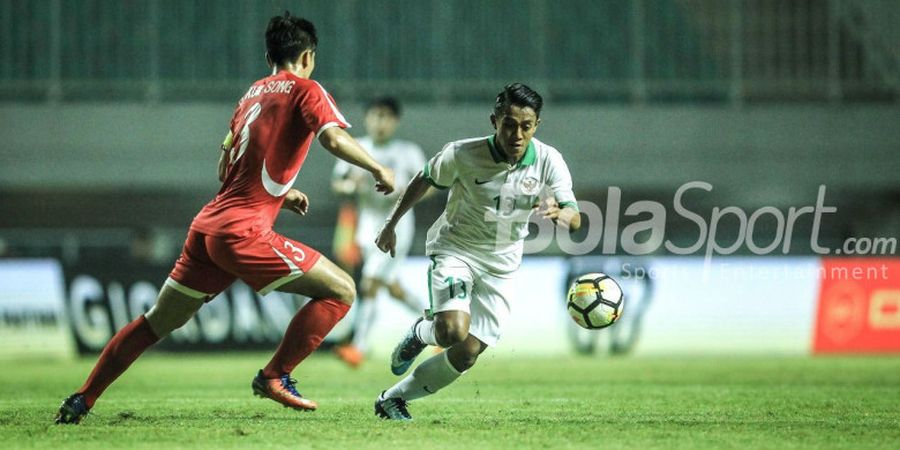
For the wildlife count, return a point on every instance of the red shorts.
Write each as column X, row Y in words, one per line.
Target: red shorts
column 209, row 264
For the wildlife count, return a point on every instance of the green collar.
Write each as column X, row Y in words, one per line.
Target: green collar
column 527, row 159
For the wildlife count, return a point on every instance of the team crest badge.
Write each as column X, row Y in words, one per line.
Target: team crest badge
column 530, row 186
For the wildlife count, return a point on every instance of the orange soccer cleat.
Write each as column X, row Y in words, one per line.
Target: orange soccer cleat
column 283, row 390
column 350, row 355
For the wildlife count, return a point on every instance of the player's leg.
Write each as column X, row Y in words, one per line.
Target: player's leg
column 450, row 280
column 466, row 334
column 331, row 291
column 268, row 262
column 489, row 311
column 377, row 266
column 172, row 310
column 436, row 372
column 175, row 305
column 353, row 352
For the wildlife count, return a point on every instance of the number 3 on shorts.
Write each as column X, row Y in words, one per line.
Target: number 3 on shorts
column 457, row 288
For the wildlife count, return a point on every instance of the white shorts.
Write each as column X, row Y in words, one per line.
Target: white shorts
column 455, row 286
column 380, row 265
column 377, row 264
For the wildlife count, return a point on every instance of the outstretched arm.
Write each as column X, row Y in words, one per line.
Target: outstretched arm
column 342, row 145
column 415, row 190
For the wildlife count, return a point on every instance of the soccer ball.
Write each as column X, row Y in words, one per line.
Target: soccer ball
column 595, row 301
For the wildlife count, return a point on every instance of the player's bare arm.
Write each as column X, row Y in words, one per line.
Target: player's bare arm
column 415, row 191
column 341, row 144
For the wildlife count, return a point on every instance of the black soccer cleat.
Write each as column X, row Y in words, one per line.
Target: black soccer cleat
column 72, row 410
column 391, row 408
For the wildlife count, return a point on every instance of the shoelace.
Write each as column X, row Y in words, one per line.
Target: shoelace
column 289, row 384
column 400, row 405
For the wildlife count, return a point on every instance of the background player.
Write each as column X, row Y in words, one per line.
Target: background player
column 476, row 245
column 232, row 237
column 379, row 270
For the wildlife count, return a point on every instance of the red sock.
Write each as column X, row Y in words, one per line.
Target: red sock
column 304, row 334
column 119, row 353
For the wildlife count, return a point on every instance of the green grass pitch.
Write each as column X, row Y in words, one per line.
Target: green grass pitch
column 192, row 401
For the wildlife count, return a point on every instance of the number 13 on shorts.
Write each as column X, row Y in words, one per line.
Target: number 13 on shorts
column 449, row 282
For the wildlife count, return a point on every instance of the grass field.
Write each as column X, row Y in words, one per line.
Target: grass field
column 205, row 401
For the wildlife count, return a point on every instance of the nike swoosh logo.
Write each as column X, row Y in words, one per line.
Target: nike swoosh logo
column 477, row 181
column 274, row 188
column 425, row 388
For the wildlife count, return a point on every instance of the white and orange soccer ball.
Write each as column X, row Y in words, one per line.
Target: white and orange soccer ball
column 595, row 301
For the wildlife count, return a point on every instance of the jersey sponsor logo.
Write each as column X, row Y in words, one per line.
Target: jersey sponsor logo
column 274, row 188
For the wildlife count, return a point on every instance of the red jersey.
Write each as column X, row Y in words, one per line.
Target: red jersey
column 273, row 126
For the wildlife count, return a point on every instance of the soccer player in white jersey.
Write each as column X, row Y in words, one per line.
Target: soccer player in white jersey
column 379, row 270
column 476, row 245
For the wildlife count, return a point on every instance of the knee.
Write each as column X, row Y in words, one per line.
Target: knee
column 345, row 290
column 165, row 320
column 465, row 354
column 449, row 332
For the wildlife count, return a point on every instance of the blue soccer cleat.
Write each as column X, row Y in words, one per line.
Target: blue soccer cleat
column 391, row 408
column 72, row 410
column 407, row 350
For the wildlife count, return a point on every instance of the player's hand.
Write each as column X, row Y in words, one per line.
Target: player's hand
column 553, row 212
column 387, row 240
column 384, row 180
column 296, row 201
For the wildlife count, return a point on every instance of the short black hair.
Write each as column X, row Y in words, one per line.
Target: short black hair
column 390, row 103
column 288, row 36
column 520, row 95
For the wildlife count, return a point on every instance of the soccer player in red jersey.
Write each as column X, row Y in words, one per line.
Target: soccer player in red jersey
column 232, row 237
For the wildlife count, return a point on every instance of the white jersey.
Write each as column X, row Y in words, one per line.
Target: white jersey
column 405, row 158
column 485, row 221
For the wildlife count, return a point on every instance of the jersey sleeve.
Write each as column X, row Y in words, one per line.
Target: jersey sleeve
column 441, row 170
column 320, row 111
column 560, row 181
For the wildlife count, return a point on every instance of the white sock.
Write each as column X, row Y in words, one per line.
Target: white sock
column 429, row 377
column 364, row 320
column 425, row 332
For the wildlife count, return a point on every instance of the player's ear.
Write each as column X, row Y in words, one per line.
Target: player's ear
column 307, row 58
column 269, row 60
column 494, row 121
